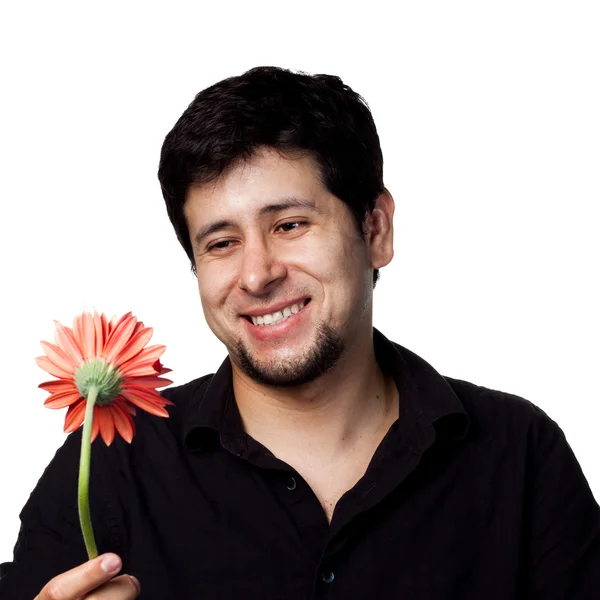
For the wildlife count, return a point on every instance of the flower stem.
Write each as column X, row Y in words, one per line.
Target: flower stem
column 84, row 476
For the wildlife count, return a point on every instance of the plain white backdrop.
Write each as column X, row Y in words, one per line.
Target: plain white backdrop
column 489, row 123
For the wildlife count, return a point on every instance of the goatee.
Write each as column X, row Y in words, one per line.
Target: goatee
column 316, row 361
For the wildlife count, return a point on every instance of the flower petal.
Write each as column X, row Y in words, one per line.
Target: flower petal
column 141, row 371
column 160, row 370
column 114, row 323
column 107, row 425
column 111, row 324
column 88, row 342
column 123, row 422
column 104, row 323
column 149, row 395
column 96, row 423
column 146, row 358
column 126, row 406
column 62, row 399
column 58, row 357
column 66, row 340
column 83, row 329
column 118, row 339
column 74, row 417
column 136, row 398
column 98, row 334
column 134, row 345
column 58, row 385
column 45, row 363
column 138, row 327
column 78, row 333
column 149, row 381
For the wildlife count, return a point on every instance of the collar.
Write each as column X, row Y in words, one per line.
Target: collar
column 430, row 410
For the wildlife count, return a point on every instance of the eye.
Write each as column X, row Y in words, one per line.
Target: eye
column 221, row 245
column 291, row 225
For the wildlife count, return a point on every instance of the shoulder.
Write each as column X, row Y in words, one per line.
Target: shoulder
column 511, row 433
column 484, row 401
column 182, row 394
column 60, row 476
column 507, row 417
column 524, row 459
column 185, row 398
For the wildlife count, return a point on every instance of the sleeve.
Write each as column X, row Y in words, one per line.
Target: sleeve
column 50, row 539
column 564, row 521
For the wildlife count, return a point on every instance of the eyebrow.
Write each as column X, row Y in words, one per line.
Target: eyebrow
column 269, row 209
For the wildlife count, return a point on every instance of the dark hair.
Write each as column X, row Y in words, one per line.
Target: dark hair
column 287, row 111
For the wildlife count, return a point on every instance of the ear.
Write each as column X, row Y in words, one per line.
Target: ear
column 379, row 230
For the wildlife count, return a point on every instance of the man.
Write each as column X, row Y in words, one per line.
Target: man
column 321, row 460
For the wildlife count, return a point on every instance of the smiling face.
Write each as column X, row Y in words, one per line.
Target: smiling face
column 284, row 277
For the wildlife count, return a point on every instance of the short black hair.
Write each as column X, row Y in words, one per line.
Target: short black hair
column 284, row 110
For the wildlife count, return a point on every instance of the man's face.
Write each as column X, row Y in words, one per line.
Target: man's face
column 284, row 277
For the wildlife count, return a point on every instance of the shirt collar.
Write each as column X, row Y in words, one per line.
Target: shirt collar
column 428, row 404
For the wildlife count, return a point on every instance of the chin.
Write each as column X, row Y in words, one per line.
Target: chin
column 312, row 363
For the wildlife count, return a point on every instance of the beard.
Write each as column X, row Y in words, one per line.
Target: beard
column 316, row 361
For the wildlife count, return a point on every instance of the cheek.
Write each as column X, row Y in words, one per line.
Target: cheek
column 340, row 266
column 322, row 255
column 212, row 291
column 207, row 305
column 215, row 279
column 343, row 259
column 351, row 280
column 212, row 301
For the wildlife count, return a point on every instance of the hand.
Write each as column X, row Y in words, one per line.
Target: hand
column 97, row 576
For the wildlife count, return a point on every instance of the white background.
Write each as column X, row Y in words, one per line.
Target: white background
column 488, row 114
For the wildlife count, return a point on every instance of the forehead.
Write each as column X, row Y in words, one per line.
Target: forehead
column 248, row 185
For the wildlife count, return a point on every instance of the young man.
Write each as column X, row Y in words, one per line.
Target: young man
column 321, row 460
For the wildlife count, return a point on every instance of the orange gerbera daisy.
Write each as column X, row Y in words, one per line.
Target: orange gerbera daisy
column 110, row 358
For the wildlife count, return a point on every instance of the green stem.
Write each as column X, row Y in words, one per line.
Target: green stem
column 84, row 476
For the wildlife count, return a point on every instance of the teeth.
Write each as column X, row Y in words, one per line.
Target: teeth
column 278, row 316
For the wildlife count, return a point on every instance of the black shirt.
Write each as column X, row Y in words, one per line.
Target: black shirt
column 472, row 494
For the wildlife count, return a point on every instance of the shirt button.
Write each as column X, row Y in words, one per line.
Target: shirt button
column 291, row 483
column 328, row 577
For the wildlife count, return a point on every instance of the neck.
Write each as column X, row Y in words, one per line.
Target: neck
column 351, row 403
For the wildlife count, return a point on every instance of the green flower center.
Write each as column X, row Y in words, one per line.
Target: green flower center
column 101, row 375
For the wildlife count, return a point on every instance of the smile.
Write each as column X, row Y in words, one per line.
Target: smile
column 278, row 316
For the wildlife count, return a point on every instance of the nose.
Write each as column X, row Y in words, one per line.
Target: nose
column 260, row 268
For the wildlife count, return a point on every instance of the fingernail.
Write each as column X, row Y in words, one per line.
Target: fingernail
column 111, row 564
column 136, row 581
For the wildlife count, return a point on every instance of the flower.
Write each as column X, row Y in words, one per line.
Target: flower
column 110, row 358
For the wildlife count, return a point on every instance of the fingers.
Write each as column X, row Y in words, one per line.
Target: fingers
column 124, row 587
column 88, row 577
